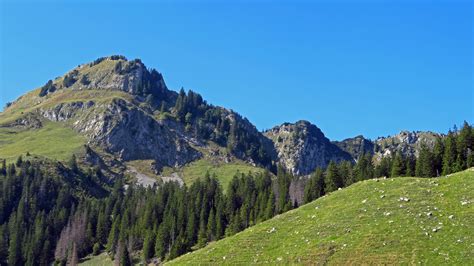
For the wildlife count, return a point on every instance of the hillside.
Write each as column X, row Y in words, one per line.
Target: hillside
column 391, row 221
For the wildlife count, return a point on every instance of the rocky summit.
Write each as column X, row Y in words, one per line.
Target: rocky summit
column 302, row 147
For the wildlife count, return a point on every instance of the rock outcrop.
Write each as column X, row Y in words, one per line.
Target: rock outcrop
column 302, row 147
column 356, row 146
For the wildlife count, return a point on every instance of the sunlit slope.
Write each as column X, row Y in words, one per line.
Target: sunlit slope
column 53, row 140
column 385, row 221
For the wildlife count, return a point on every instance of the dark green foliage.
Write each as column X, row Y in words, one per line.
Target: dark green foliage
column 215, row 124
column 69, row 80
column 364, row 168
column 84, row 80
column 3, row 169
column 47, row 88
column 383, row 167
column 34, row 209
column 73, row 164
column 125, row 259
column 424, row 164
column 283, row 181
column 315, row 186
column 398, row 166
column 450, row 154
column 96, row 249
column 333, row 179
column 8, row 104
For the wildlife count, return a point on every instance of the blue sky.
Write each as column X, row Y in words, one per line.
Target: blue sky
column 351, row 67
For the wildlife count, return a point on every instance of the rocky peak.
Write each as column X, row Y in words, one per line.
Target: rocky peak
column 408, row 143
column 356, row 146
column 111, row 73
column 302, row 147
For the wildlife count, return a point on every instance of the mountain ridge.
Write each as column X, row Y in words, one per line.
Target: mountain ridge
column 126, row 109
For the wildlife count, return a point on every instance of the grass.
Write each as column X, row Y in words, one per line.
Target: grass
column 31, row 101
column 223, row 171
column 366, row 223
column 100, row 260
column 53, row 140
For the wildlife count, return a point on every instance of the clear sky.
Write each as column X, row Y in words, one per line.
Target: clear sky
column 351, row 67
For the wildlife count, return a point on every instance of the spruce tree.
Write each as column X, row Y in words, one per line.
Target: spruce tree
column 449, row 156
column 3, row 170
column 425, row 163
column 125, row 258
column 397, row 166
column 148, row 246
column 333, row 180
column 211, row 226
column 315, row 186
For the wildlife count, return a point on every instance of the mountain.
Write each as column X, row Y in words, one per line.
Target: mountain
column 302, row 147
column 381, row 221
column 356, row 146
column 121, row 109
column 78, row 157
column 125, row 112
column 407, row 143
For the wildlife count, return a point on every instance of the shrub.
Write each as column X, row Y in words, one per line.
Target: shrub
column 47, row 88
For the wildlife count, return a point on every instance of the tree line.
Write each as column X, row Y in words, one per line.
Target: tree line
column 451, row 153
column 45, row 218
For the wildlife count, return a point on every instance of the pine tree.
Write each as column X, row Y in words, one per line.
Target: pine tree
column 73, row 164
column 148, row 246
column 449, row 156
column 19, row 161
column 410, row 166
column 113, row 235
column 364, row 168
column 14, row 251
column 345, row 170
column 125, row 259
column 3, row 170
column 211, row 226
column 315, row 186
column 3, row 245
column 397, row 166
column 220, row 223
column 333, row 180
column 424, row 164
column 438, row 152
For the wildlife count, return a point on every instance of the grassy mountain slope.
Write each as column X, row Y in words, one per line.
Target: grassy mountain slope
column 224, row 171
column 390, row 221
column 53, row 140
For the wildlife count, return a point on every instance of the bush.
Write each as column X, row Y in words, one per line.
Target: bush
column 8, row 104
column 68, row 80
column 84, row 80
column 47, row 88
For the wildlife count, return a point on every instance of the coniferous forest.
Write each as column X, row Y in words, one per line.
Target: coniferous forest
column 48, row 217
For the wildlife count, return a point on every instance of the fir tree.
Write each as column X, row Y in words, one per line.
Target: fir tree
column 333, row 180
column 449, row 156
column 397, row 166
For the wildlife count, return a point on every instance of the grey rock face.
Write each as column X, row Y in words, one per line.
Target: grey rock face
column 302, row 147
column 356, row 146
column 125, row 130
column 408, row 143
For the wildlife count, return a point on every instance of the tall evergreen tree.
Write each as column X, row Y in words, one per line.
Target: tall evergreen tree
column 315, row 186
column 424, row 164
column 449, row 156
column 397, row 166
column 333, row 180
